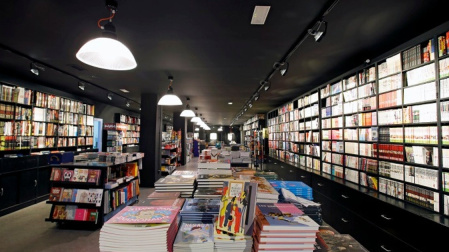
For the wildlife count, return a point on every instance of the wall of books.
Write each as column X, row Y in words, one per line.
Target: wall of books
column 32, row 120
column 384, row 127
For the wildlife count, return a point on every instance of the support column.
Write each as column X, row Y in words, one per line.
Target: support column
column 179, row 123
column 150, row 139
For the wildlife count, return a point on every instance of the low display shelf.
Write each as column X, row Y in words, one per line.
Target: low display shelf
column 90, row 193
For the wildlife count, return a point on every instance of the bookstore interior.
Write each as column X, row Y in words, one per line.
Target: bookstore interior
column 300, row 126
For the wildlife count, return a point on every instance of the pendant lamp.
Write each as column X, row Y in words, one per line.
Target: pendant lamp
column 107, row 52
column 170, row 99
column 187, row 112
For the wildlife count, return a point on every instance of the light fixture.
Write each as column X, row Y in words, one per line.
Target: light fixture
column 282, row 67
column 195, row 119
column 260, row 15
column 124, row 90
column 34, row 68
column 230, row 103
column 213, row 136
column 128, row 104
column 170, row 99
column 316, row 33
column 197, row 129
column 110, row 96
column 250, row 105
column 107, row 52
column 246, row 108
column 266, row 85
column 220, row 129
column 81, row 85
column 187, row 112
column 257, row 96
column 140, row 108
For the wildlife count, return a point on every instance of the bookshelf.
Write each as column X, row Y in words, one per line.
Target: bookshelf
column 384, row 131
column 90, row 193
column 35, row 121
column 131, row 137
column 251, row 130
column 171, row 151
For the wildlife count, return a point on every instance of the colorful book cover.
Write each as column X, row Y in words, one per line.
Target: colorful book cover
column 145, row 214
column 201, row 205
column 194, row 233
column 92, row 215
column 67, row 175
column 283, row 216
column 93, row 176
column 81, row 214
column 75, row 175
column 82, row 196
column 83, row 175
column 59, row 212
column 233, row 206
column 66, row 195
column 55, row 193
column 163, row 195
column 74, row 194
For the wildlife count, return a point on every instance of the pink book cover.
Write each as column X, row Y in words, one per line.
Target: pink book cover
column 145, row 214
column 81, row 214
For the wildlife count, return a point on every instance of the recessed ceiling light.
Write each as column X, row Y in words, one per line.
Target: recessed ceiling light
column 260, row 15
column 124, row 90
column 230, row 103
column 224, row 118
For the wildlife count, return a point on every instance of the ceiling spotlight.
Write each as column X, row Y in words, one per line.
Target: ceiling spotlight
column 220, row 129
column 257, row 96
column 107, row 52
column 170, row 99
column 127, row 104
column 140, row 108
column 230, row 103
column 34, row 69
column 250, row 105
column 282, row 67
column 187, row 112
column 316, row 32
column 110, row 96
column 81, row 85
column 266, row 85
column 246, row 108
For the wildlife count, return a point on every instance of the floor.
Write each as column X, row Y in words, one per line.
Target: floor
column 26, row 231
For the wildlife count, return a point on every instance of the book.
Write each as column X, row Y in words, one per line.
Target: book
column 59, row 212
column 236, row 207
column 95, row 196
column 67, row 174
column 56, row 174
column 70, row 212
column 195, row 235
column 81, row 214
column 82, row 175
column 55, row 193
column 66, row 195
column 173, row 202
column 93, row 176
column 283, row 216
column 163, row 195
column 145, row 214
column 82, row 196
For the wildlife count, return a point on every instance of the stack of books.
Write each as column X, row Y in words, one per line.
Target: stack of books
column 227, row 242
column 296, row 187
column 200, row 210
column 213, row 180
column 268, row 175
column 312, row 209
column 282, row 226
column 208, row 193
column 185, row 173
column 265, row 192
column 140, row 228
column 172, row 183
column 194, row 236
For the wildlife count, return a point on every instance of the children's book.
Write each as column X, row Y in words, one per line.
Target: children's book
column 67, row 175
column 234, row 204
column 83, row 175
column 55, row 193
column 81, row 214
column 82, row 196
column 145, row 214
column 190, row 234
column 283, row 216
column 56, row 174
column 70, row 212
column 93, row 176
column 95, row 196
column 66, row 195
column 59, row 212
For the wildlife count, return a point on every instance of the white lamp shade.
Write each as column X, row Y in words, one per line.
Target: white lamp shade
column 106, row 53
column 187, row 113
column 220, row 129
column 195, row 119
column 169, row 100
column 213, row 136
column 197, row 129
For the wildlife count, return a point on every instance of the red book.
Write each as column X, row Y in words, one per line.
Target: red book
column 55, row 193
column 56, row 174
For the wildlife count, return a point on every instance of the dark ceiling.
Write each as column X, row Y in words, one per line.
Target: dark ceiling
column 209, row 46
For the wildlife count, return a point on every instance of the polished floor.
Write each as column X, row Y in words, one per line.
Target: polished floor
column 27, row 231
